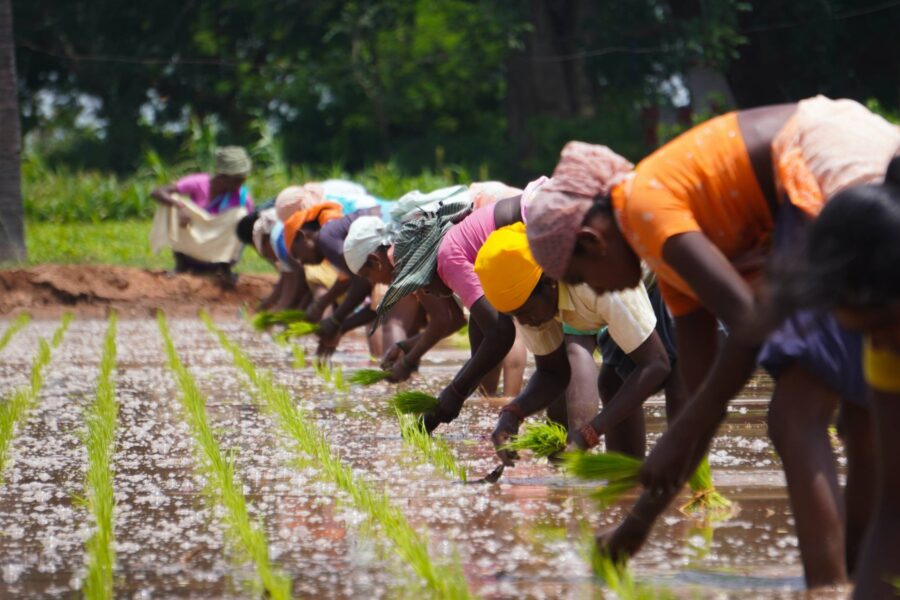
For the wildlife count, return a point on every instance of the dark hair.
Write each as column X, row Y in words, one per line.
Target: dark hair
column 852, row 254
column 601, row 205
column 244, row 228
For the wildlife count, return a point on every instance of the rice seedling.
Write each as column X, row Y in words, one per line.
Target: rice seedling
column 413, row 403
column 543, row 439
column 223, row 484
column 299, row 356
column 704, row 497
column 617, row 577
column 368, row 376
column 15, row 327
column 16, row 407
column 435, row 450
column 99, row 439
column 337, row 379
column 322, row 370
column 443, row 581
column 265, row 320
column 298, row 329
column 618, row 470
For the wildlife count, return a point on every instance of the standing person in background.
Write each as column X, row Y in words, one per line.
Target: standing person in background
column 198, row 215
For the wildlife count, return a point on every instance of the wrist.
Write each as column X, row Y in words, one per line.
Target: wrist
column 407, row 364
column 589, row 435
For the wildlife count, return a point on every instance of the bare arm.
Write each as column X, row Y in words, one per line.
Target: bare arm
column 165, row 195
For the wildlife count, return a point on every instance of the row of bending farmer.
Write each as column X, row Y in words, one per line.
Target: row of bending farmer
column 706, row 212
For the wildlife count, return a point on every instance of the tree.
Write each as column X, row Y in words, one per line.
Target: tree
column 12, row 232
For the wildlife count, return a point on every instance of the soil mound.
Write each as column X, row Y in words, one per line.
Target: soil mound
column 91, row 290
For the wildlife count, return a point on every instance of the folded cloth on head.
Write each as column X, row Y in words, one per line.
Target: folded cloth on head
column 319, row 213
column 232, row 160
column 506, row 268
column 415, row 201
column 262, row 227
column 207, row 238
column 366, row 235
column 484, row 193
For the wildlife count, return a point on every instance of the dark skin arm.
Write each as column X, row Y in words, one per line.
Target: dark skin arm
column 314, row 313
column 444, row 318
column 330, row 329
column 652, row 369
column 550, row 378
column 165, row 195
column 489, row 354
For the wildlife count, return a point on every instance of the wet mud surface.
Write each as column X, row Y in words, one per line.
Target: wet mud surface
column 524, row 537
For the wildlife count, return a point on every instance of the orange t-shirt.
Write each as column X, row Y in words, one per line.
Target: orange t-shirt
column 700, row 181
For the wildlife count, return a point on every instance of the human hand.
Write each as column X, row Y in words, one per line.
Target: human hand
column 402, row 370
column 449, row 405
column 392, row 355
column 507, row 427
column 314, row 311
column 184, row 217
column 329, row 329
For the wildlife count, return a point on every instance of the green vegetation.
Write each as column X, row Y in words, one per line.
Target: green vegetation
column 435, row 450
column 100, row 418
column 413, row 403
column 223, row 484
column 542, row 438
column 368, row 376
column 299, row 356
column 618, row 578
column 618, row 470
column 266, row 320
column 705, row 499
column 15, row 408
column 443, row 581
column 15, row 327
column 298, row 329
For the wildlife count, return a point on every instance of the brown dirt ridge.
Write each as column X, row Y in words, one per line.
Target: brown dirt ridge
column 92, row 290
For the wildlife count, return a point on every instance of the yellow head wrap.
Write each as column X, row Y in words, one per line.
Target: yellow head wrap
column 507, row 271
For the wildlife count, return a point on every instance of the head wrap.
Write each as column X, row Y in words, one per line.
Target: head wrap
column 232, row 160
column 366, row 235
column 416, row 246
column 298, row 197
column 485, row 193
column 411, row 203
column 320, row 213
column 263, row 226
column 276, row 240
column 507, row 271
column 558, row 208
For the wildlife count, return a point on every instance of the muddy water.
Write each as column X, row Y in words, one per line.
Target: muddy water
column 523, row 537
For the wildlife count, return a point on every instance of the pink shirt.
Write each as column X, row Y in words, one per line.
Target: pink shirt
column 196, row 187
column 457, row 252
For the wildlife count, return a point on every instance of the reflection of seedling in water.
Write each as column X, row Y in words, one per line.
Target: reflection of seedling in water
column 413, row 403
column 14, row 409
column 265, row 320
column 368, row 376
column 99, row 440
column 299, row 356
column 15, row 327
column 435, row 450
column 618, row 578
column 618, row 470
column 705, row 499
column 445, row 582
column 224, row 486
column 699, row 541
column 543, row 439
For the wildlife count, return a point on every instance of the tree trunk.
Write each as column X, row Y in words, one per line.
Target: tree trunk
column 12, row 232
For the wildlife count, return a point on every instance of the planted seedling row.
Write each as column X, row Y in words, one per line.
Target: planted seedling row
column 15, row 327
column 100, row 418
column 16, row 407
column 444, row 581
column 224, row 486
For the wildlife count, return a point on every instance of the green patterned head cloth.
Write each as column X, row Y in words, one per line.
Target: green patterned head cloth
column 232, row 160
column 416, row 246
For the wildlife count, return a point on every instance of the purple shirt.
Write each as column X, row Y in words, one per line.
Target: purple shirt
column 196, row 187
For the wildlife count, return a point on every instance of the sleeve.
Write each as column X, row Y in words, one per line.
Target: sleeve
column 331, row 243
column 630, row 317
column 190, row 186
column 458, row 273
column 543, row 339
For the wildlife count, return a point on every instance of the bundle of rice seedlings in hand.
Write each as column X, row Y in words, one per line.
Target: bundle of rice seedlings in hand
column 264, row 320
column 299, row 329
column 618, row 470
column 368, row 376
column 411, row 402
column 705, row 499
column 543, row 439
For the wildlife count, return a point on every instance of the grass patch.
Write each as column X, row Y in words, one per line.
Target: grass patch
column 435, row 450
column 99, row 440
column 368, row 376
column 618, row 470
column 443, row 581
column 705, row 499
column 541, row 438
column 14, row 410
column 413, row 403
column 222, row 482
column 15, row 327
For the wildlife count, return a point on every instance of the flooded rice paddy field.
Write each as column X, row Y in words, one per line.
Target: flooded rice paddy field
column 524, row 537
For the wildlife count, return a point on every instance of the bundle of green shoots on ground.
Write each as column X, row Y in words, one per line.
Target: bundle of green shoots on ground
column 543, row 439
column 705, row 499
column 264, row 320
column 413, row 403
column 619, row 471
column 368, row 376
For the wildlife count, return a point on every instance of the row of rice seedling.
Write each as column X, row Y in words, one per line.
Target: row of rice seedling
column 16, row 406
column 14, row 327
column 99, row 439
column 435, row 450
column 223, row 485
column 618, row 578
column 412, row 547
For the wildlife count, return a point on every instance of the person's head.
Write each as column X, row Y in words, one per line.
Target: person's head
column 263, row 223
column 366, row 249
column 571, row 229
column 512, row 280
column 244, row 228
column 298, row 197
column 852, row 260
column 301, row 231
column 232, row 167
